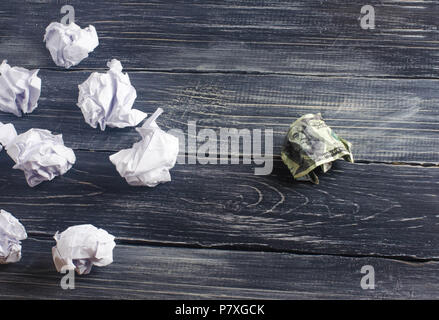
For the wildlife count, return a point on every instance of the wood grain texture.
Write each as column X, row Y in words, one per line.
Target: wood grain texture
column 144, row 272
column 378, row 210
column 386, row 120
column 219, row 231
column 303, row 37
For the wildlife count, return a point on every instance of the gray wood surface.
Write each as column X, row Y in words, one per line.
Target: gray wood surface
column 219, row 231
column 301, row 37
column 386, row 120
column 146, row 272
column 362, row 209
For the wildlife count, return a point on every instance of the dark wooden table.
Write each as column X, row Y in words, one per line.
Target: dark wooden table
column 219, row 231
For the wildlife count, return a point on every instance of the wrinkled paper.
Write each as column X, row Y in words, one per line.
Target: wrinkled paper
column 40, row 154
column 148, row 162
column 11, row 232
column 81, row 247
column 69, row 44
column 4, row 132
column 19, row 89
column 310, row 143
column 107, row 99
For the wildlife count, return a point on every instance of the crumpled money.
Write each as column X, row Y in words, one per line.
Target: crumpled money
column 81, row 247
column 148, row 162
column 309, row 144
column 69, row 44
column 19, row 89
column 11, row 232
column 107, row 99
column 40, row 154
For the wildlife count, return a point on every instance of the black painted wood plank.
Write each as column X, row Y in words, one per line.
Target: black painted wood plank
column 359, row 209
column 303, row 37
column 144, row 272
column 386, row 120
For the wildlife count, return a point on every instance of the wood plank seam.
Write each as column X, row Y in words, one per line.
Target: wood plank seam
column 246, row 247
column 240, row 72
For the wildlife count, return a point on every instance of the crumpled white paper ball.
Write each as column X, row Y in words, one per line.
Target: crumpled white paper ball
column 148, row 162
column 19, row 89
column 40, row 154
column 81, row 247
column 69, row 44
column 11, row 232
column 107, row 99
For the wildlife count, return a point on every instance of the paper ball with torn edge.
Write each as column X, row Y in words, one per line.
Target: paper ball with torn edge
column 69, row 44
column 19, row 89
column 40, row 154
column 310, row 144
column 148, row 162
column 81, row 247
column 107, row 99
column 11, row 233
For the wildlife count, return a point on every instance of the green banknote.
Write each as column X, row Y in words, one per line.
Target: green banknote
column 309, row 144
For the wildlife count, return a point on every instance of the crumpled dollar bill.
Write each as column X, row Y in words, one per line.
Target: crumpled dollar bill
column 310, row 144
